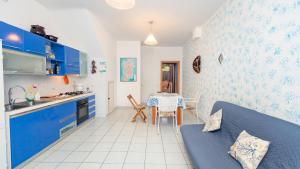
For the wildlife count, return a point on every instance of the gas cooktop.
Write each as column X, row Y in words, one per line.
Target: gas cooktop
column 72, row 93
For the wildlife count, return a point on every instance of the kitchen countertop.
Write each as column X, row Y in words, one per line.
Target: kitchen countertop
column 52, row 101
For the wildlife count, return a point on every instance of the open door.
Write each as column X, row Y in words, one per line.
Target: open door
column 170, row 76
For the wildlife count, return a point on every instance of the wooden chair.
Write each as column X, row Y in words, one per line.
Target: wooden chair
column 138, row 108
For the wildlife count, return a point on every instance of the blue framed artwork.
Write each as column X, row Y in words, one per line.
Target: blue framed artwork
column 128, row 69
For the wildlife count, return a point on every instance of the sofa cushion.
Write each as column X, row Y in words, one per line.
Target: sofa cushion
column 249, row 150
column 213, row 123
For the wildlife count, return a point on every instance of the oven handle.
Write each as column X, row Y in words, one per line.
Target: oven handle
column 83, row 105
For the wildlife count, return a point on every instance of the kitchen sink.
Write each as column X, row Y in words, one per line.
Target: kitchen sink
column 23, row 105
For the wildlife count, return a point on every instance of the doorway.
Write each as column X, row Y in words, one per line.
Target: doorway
column 170, row 76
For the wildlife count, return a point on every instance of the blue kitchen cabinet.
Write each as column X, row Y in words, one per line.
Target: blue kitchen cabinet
column 32, row 132
column 92, row 106
column 34, row 44
column 72, row 61
column 12, row 37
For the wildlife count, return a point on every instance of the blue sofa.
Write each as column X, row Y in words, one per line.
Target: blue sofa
column 210, row 150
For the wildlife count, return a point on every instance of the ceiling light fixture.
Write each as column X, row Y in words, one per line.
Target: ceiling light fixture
column 151, row 40
column 121, row 4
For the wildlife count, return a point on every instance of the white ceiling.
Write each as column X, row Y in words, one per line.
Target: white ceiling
column 174, row 19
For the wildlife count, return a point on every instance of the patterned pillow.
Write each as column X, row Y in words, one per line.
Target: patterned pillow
column 249, row 150
column 214, row 122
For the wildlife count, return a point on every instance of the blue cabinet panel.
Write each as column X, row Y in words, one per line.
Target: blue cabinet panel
column 12, row 37
column 91, row 109
column 92, row 106
column 34, row 44
column 92, row 102
column 92, row 97
column 66, row 113
column 72, row 61
column 91, row 115
column 32, row 132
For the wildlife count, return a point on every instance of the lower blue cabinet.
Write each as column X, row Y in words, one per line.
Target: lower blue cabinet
column 32, row 132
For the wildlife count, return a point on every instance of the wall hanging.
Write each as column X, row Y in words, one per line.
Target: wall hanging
column 128, row 69
column 197, row 64
column 221, row 58
column 102, row 66
column 93, row 67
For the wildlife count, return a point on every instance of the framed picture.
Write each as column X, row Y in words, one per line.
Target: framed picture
column 102, row 66
column 128, row 69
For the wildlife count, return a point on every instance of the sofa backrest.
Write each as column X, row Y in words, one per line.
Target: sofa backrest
column 284, row 150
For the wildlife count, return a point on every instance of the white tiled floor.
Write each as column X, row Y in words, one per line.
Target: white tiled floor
column 116, row 143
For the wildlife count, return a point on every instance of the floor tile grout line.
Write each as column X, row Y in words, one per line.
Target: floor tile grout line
column 110, row 147
column 129, row 145
column 78, row 146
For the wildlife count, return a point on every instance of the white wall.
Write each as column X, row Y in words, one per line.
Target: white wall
column 151, row 65
column 128, row 49
column 75, row 27
column 80, row 28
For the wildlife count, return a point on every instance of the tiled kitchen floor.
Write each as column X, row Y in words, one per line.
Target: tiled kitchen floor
column 116, row 143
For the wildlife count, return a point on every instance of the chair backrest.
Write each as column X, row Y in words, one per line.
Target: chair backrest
column 167, row 103
column 132, row 101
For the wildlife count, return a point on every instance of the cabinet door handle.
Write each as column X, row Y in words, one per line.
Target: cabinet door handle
column 27, row 50
column 12, row 47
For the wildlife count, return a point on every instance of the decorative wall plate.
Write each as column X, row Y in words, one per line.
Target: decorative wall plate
column 197, row 64
column 221, row 58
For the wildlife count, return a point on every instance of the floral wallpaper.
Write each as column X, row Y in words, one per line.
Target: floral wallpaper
column 260, row 43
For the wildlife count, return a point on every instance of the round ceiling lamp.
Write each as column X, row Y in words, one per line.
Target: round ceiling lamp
column 121, row 4
column 151, row 40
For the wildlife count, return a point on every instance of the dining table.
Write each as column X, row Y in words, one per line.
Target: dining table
column 153, row 103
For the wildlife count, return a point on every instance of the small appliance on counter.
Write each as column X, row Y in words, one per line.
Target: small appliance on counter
column 76, row 93
column 78, row 87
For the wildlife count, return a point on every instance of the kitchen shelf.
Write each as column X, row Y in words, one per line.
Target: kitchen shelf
column 54, row 74
column 55, row 60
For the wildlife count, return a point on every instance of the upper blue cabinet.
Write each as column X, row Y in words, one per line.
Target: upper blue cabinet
column 17, row 39
column 63, row 60
column 34, row 44
column 72, row 61
column 12, row 37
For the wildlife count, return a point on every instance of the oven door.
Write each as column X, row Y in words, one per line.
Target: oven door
column 82, row 111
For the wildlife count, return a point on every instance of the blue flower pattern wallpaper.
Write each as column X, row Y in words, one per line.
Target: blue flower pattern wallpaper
column 260, row 43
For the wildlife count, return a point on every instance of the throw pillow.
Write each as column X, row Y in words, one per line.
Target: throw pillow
column 214, row 122
column 249, row 150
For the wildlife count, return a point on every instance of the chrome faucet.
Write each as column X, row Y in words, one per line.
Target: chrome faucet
column 10, row 99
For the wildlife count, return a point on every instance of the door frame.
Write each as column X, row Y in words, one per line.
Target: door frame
column 178, row 73
column 110, row 100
